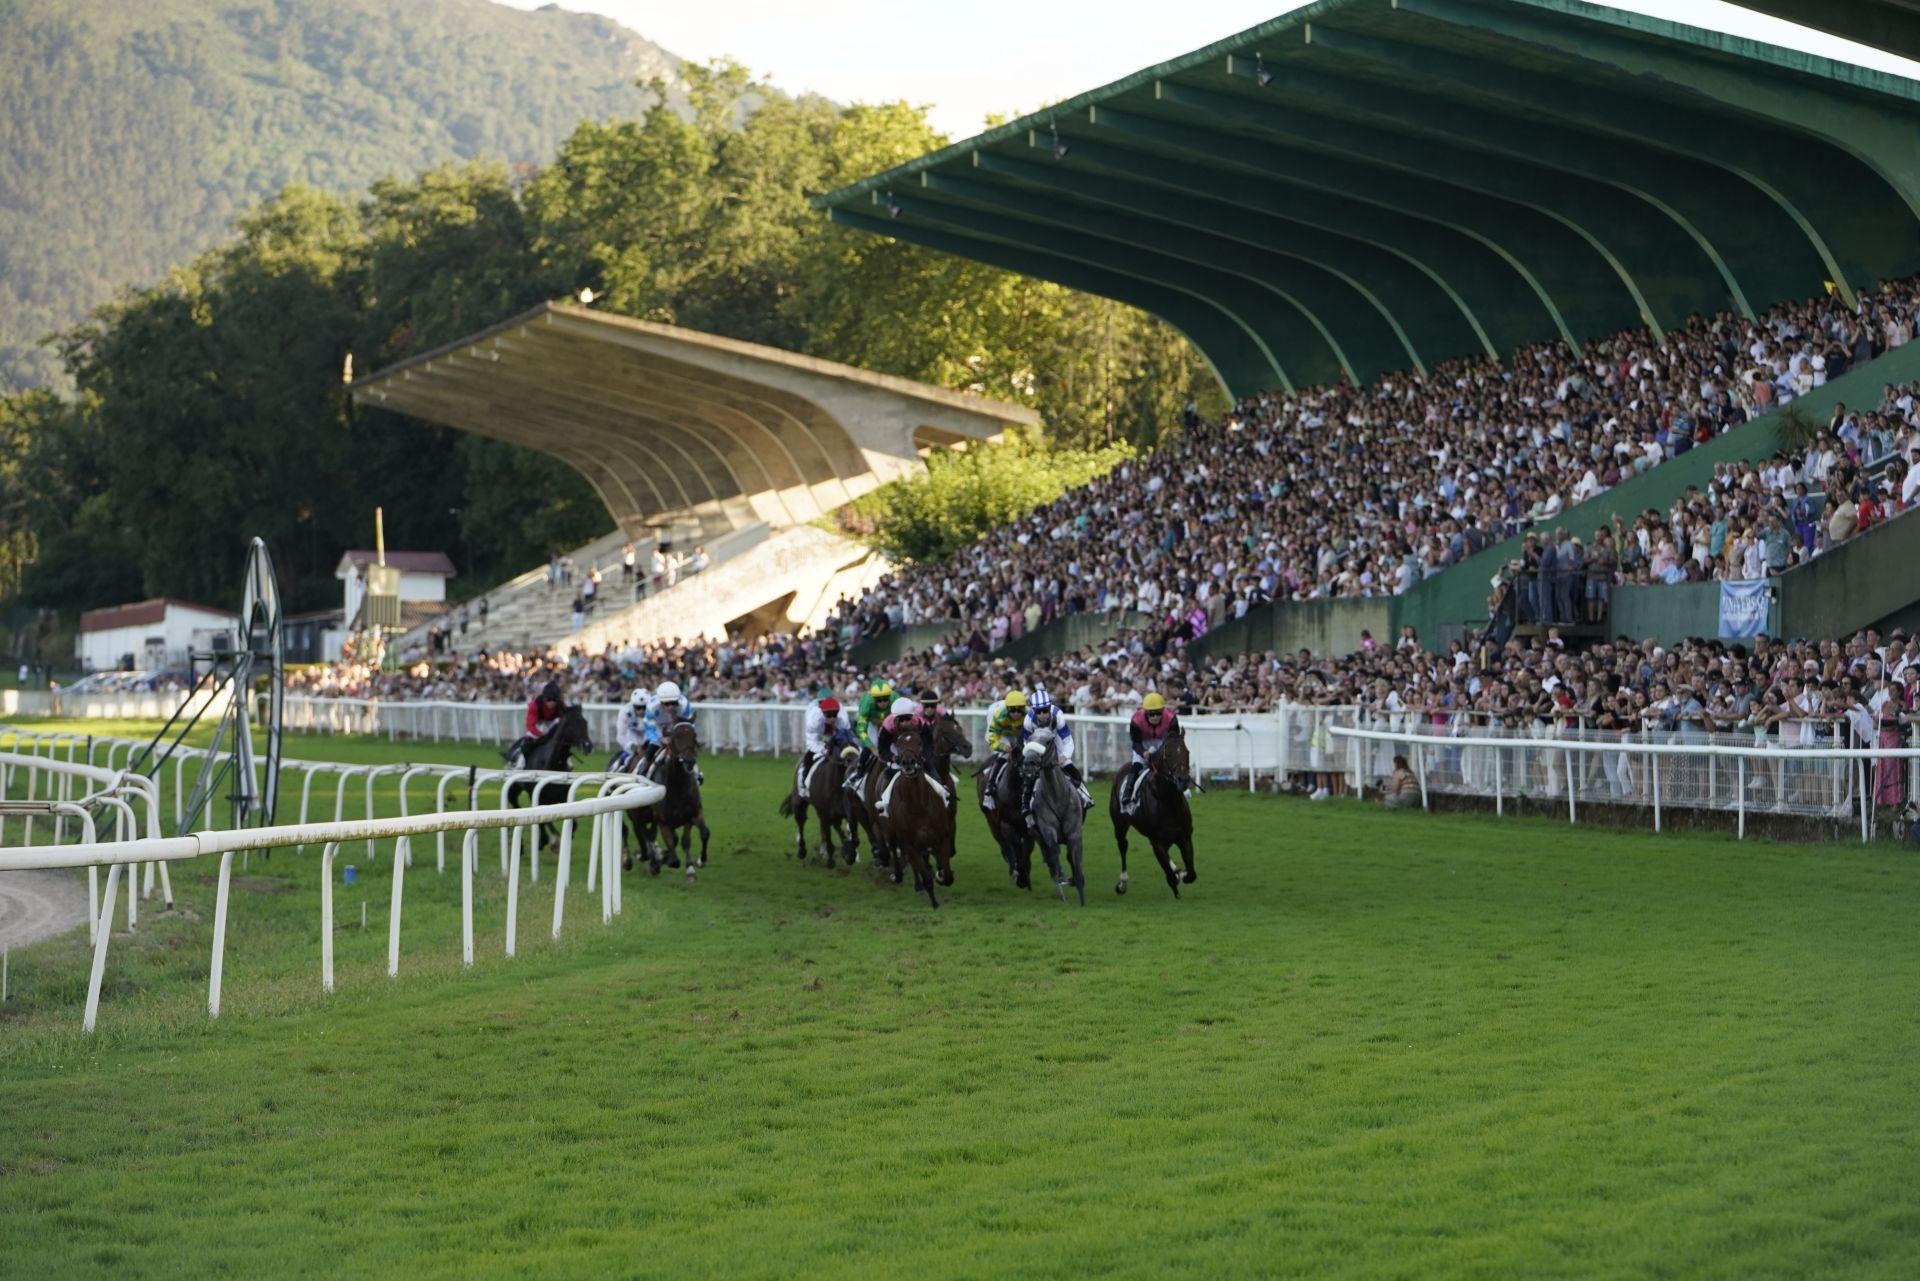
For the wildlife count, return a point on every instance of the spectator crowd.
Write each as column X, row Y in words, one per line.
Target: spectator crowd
column 1339, row 492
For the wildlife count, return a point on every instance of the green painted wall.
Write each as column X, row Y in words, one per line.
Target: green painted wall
column 888, row 646
column 1460, row 593
column 1323, row 626
column 1064, row 635
column 1865, row 580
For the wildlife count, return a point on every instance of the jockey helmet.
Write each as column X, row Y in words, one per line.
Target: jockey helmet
column 1016, row 698
column 1041, row 701
column 550, row 693
column 881, row 688
column 830, row 705
column 903, row 707
column 638, row 698
column 929, row 697
column 1153, row 703
column 668, row 692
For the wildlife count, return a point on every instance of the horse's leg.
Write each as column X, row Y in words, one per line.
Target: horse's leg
column 826, row 833
column 1119, row 820
column 923, row 873
column 700, row 820
column 1185, row 843
column 800, row 827
column 686, row 841
column 1166, row 865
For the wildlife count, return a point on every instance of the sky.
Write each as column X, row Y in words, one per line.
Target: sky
column 965, row 60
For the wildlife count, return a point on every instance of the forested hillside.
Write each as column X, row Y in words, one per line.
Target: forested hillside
column 133, row 132
column 210, row 406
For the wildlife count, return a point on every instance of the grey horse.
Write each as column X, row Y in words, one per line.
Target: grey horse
column 1057, row 813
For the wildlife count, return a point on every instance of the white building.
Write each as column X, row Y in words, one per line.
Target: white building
column 423, row 577
column 151, row 635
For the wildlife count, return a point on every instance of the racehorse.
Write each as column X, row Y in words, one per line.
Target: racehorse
column 1057, row 815
column 679, row 813
column 949, row 741
column 1004, row 823
column 553, row 754
column 1160, row 814
column 919, row 821
column 826, row 794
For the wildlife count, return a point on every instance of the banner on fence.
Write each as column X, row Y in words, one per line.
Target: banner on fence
column 1743, row 608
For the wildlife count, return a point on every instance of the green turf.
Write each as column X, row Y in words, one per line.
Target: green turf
column 1363, row 1045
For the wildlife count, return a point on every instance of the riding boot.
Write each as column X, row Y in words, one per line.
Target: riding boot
column 993, row 784
column 1026, row 801
column 1080, row 785
column 1130, row 789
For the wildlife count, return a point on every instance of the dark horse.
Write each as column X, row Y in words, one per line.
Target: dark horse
column 949, row 741
column 918, row 824
column 1004, row 822
column 679, row 814
column 554, row 753
column 1160, row 814
column 824, row 791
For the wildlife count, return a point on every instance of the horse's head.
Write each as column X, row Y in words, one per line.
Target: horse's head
column 574, row 733
column 910, row 749
column 1040, row 752
column 949, row 738
column 1172, row 761
column 683, row 742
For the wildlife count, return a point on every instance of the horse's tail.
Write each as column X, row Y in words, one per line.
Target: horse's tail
column 786, row 805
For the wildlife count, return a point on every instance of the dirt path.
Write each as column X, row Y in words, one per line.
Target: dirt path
column 34, row 905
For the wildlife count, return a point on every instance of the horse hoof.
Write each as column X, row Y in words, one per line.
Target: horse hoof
column 653, row 869
column 703, row 860
column 626, row 864
column 693, row 874
column 1188, row 877
column 1120, row 886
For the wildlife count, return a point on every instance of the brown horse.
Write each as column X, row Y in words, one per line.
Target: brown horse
column 948, row 741
column 680, row 813
column 1160, row 814
column 824, row 792
column 919, row 822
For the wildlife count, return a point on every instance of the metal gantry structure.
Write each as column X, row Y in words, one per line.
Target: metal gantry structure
column 241, row 690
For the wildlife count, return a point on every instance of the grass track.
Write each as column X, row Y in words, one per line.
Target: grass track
column 1364, row 1045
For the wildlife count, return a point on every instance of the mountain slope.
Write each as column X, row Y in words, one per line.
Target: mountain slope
column 131, row 134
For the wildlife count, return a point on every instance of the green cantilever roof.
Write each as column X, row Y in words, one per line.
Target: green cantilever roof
column 1362, row 186
column 1892, row 25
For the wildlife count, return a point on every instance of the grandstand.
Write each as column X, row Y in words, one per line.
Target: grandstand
column 690, row 440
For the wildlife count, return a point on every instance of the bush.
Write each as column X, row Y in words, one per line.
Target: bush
column 966, row 492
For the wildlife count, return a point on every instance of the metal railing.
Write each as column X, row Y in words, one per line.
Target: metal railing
column 38, row 783
column 1659, row 769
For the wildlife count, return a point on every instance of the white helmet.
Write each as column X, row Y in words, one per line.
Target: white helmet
column 904, row 707
column 638, row 698
column 668, row 692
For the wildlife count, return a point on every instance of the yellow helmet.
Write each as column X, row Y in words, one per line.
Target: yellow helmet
column 1016, row 698
column 881, row 688
column 1153, row 703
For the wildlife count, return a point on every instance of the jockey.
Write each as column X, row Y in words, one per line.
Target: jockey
column 631, row 733
column 866, row 726
column 1006, row 727
column 667, row 708
column 872, row 710
column 543, row 713
column 1042, row 714
column 903, row 713
column 826, row 727
column 1148, row 729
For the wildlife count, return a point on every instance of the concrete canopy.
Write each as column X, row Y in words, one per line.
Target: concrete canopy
column 1892, row 25
column 1363, row 186
column 679, row 432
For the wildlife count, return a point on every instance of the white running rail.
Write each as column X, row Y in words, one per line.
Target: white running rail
column 1664, row 771
column 604, row 809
